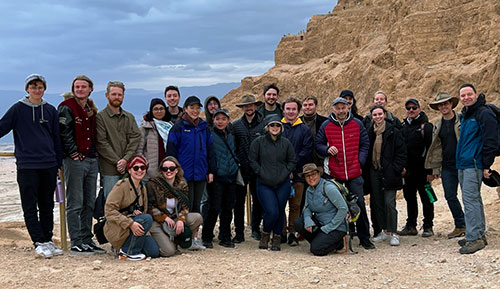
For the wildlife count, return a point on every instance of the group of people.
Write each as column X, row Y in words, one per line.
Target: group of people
column 177, row 171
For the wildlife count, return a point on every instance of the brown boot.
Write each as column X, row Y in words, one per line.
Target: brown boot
column 276, row 243
column 264, row 240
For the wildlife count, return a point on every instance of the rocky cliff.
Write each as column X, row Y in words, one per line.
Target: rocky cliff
column 406, row 48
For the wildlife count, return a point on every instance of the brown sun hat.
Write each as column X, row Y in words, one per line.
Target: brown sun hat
column 310, row 167
column 248, row 99
column 443, row 97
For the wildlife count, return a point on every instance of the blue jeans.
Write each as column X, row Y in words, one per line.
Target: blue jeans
column 449, row 178
column 142, row 244
column 108, row 182
column 475, row 222
column 273, row 201
column 81, row 184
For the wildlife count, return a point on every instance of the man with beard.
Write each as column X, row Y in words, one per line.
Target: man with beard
column 417, row 132
column 344, row 142
column 245, row 130
column 270, row 106
column 172, row 98
column 77, row 123
column 117, row 137
column 314, row 121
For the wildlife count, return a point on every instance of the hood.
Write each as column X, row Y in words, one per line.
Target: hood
column 25, row 101
column 333, row 118
column 208, row 116
column 481, row 100
column 421, row 118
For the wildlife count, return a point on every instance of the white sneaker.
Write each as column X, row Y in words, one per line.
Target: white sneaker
column 394, row 240
column 42, row 251
column 135, row 257
column 196, row 245
column 382, row 236
column 55, row 251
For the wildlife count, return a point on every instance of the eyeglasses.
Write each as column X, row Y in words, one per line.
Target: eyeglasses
column 411, row 107
column 41, row 87
column 136, row 168
column 275, row 124
column 166, row 169
column 157, row 109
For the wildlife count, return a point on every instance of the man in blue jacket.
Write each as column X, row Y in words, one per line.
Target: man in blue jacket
column 38, row 156
column 476, row 150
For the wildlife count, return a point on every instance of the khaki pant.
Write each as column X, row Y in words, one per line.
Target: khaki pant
column 294, row 208
column 167, row 246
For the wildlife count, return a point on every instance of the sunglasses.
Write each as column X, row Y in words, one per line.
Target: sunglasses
column 166, row 169
column 136, row 168
column 411, row 107
column 274, row 124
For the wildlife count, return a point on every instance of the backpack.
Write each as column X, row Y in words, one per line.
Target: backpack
column 496, row 111
column 350, row 198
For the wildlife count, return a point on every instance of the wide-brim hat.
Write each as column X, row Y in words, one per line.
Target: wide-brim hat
column 307, row 168
column 443, row 97
column 184, row 239
column 493, row 181
column 248, row 99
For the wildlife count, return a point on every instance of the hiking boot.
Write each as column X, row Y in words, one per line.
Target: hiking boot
column 208, row 244
column 408, row 231
column 53, row 249
column 227, row 244
column 292, row 240
column 457, row 232
column 462, row 242
column 95, row 248
column 42, row 251
column 81, row 250
column 365, row 243
column 428, row 232
column 394, row 240
column 276, row 244
column 283, row 238
column 131, row 257
column 264, row 240
column 382, row 236
column 472, row 247
column 256, row 235
column 238, row 239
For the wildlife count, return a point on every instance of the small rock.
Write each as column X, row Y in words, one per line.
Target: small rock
column 124, row 277
column 442, row 260
column 315, row 281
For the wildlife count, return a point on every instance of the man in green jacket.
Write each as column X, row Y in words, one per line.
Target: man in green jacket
column 117, row 137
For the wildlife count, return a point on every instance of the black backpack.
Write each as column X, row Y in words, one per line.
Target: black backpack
column 350, row 198
column 496, row 111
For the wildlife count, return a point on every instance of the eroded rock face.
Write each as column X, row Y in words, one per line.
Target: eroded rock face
column 406, row 48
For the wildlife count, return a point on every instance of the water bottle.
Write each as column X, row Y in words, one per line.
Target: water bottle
column 430, row 192
column 292, row 191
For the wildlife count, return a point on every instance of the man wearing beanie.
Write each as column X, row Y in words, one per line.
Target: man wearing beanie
column 117, row 137
column 38, row 156
column 77, row 123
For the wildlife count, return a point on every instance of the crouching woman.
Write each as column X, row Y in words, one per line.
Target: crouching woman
column 127, row 224
column 323, row 222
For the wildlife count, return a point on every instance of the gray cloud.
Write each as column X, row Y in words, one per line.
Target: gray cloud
column 146, row 43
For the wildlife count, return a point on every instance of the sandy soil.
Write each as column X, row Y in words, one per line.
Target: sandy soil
column 418, row 263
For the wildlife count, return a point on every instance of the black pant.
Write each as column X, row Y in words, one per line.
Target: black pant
column 321, row 243
column 221, row 198
column 413, row 183
column 37, row 200
column 239, row 211
column 239, row 208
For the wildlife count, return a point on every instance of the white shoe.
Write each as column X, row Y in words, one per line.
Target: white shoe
column 394, row 240
column 197, row 245
column 382, row 236
column 42, row 251
column 55, row 251
column 131, row 257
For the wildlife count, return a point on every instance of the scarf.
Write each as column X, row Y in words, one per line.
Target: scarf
column 310, row 121
column 187, row 118
column 377, row 145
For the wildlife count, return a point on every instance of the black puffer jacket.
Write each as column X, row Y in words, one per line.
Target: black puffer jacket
column 393, row 156
column 244, row 133
column 272, row 161
column 418, row 139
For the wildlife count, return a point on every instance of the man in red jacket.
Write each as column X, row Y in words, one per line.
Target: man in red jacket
column 344, row 142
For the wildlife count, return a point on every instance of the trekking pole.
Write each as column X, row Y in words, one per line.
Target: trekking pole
column 249, row 207
column 62, row 212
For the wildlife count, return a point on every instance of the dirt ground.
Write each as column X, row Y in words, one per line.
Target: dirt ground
column 417, row 263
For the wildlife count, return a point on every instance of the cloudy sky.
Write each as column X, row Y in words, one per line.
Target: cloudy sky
column 145, row 43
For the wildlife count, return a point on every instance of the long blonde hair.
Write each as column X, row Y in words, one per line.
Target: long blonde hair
column 179, row 177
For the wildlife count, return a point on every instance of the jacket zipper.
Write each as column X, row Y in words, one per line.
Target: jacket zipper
column 343, row 150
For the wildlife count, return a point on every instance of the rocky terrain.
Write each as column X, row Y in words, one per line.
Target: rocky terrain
column 406, row 48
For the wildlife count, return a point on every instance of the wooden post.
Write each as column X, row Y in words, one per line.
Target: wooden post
column 62, row 214
column 249, row 206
